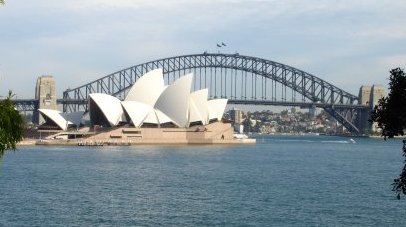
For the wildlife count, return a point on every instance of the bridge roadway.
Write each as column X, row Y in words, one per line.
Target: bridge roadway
column 244, row 80
column 31, row 104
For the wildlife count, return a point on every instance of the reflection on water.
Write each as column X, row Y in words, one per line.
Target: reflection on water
column 281, row 180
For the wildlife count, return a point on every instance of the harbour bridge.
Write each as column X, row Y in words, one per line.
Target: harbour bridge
column 243, row 80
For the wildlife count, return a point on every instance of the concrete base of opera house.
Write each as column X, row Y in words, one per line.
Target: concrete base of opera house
column 214, row 133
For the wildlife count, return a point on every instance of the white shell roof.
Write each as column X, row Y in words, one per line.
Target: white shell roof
column 150, row 101
column 74, row 117
column 137, row 111
column 85, row 118
column 216, row 108
column 147, row 88
column 198, row 110
column 110, row 107
column 174, row 100
column 55, row 116
column 157, row 117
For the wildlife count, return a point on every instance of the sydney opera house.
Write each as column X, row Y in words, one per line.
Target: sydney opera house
column 151, row 112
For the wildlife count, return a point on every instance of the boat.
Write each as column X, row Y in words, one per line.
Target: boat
column 352, row 141
column 240, row 136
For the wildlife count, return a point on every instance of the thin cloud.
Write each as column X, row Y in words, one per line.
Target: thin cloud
column 80, row 41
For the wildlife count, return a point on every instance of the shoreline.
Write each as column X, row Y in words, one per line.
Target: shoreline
column 213, row 133
column 79, row 142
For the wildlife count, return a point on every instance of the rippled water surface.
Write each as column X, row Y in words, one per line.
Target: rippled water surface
column 281, row 180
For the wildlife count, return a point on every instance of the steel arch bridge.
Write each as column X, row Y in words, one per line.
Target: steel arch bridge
column 242, row 79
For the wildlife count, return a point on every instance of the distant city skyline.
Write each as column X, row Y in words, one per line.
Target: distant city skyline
column 347, row 43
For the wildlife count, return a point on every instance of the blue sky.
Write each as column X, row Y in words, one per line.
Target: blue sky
column 347, row 43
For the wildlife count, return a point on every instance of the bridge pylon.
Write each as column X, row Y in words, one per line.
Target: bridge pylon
column 45, row 93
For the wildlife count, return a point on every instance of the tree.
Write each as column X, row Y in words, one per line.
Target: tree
column 1, row 2
column 11, row 125
column 390, row 114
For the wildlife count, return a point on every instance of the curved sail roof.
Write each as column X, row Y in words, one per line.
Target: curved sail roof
column 63, row 120
column 109, row 106
column 147, row 88
column 150, row 101
column 157, row 117
column 74, row 117
column 56, row 117
column 216, row 108
column 198, row 110
column 137, row 111
column 174, row 100
column 140, row 113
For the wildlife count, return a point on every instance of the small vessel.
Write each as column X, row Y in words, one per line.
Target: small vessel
column 352, row 141
column 240, row 136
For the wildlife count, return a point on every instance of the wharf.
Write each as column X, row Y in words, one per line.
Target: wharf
column 78, row 142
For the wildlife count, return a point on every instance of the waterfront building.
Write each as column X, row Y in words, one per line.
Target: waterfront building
column 151, row 103
column 147, row 112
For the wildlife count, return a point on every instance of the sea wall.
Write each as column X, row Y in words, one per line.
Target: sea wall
column 214, row 133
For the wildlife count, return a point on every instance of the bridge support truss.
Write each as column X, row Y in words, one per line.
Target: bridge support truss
column 241, row 79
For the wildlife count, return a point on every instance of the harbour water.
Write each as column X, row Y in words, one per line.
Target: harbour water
column 280, row 181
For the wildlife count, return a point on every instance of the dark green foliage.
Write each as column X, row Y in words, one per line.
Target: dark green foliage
column 399, row 184
column 11, row 125
column 390, row 114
